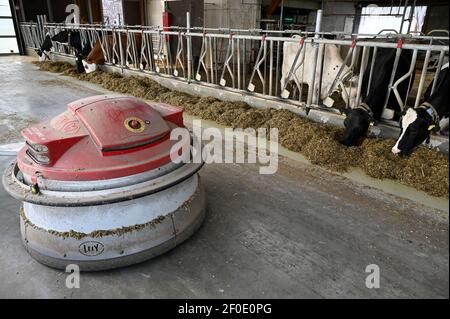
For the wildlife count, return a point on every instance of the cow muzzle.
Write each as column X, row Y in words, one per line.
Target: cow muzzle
column 89, row 67
column 43, row 56
column 395, row 150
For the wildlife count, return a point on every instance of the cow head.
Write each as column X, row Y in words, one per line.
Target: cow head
column 416, row 127
column 43, row 51
column 80, row 68
column 89, row 66
column 79, row 64
column 357, row 123
column 43, row 55
column 94, row 58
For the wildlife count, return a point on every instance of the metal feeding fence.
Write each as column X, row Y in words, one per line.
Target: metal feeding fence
column 251, row 61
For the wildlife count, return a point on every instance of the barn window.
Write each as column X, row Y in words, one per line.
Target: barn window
column 8, row 42
column 374, row 19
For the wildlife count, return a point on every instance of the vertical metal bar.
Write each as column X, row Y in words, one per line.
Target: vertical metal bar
column 135, row 52
column 422, row 78
column 216, row 70
column 90, row 16
column 239, row 63
column 232, row 61
column 303, row 74
column 271, row 68
column 438, row 70
column 233, row 64
column 168, row 54
column 39, row 28
column 281, row 15
column 244, row 62
column 412, row 68
column 50, row 11
column 403, row 16
column 372, row 65
column 352, row 67
column 362, row 70
column 151, row 52
column 277, row 71
column 314, row 61
column 319, row 82
column 411, row 14
column 211, row 60
column 354, row 57
column 189, row 46
column 120, row 50
column 265, row 67
column 394, row 71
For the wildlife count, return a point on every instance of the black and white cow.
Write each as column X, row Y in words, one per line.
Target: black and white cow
column 418, row 123
column 45, row 48
column 359, row 118
column 70, row 38
column 332, row 61
column 73, row 39
column 81, row 56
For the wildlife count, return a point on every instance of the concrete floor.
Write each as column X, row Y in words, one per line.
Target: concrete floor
column 301, row 233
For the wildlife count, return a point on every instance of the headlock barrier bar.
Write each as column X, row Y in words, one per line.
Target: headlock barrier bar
column 250, row 61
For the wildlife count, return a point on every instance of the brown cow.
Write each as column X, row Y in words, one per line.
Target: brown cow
column 96, row 56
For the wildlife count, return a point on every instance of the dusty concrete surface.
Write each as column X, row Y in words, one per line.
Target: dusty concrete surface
column 300, row 233
column 28, row 95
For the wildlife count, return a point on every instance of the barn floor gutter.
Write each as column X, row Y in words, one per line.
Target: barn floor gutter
column 255, row 100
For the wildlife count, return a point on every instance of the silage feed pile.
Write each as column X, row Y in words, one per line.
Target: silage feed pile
column 425, row 169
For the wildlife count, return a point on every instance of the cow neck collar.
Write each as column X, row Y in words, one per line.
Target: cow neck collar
column 365, row 107
column 430, row 110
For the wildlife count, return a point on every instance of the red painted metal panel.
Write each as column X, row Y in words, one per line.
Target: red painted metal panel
column 101, row 138
column 109, row 122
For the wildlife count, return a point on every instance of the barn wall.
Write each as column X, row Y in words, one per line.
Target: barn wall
column 32, row 8
column 154, row 12
column 304, row 4
column 240, row 14
column 132, row 12
column 55, row 10
column 177, row 12
column 338, row 16
column 113, row 12
column 314, row 5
